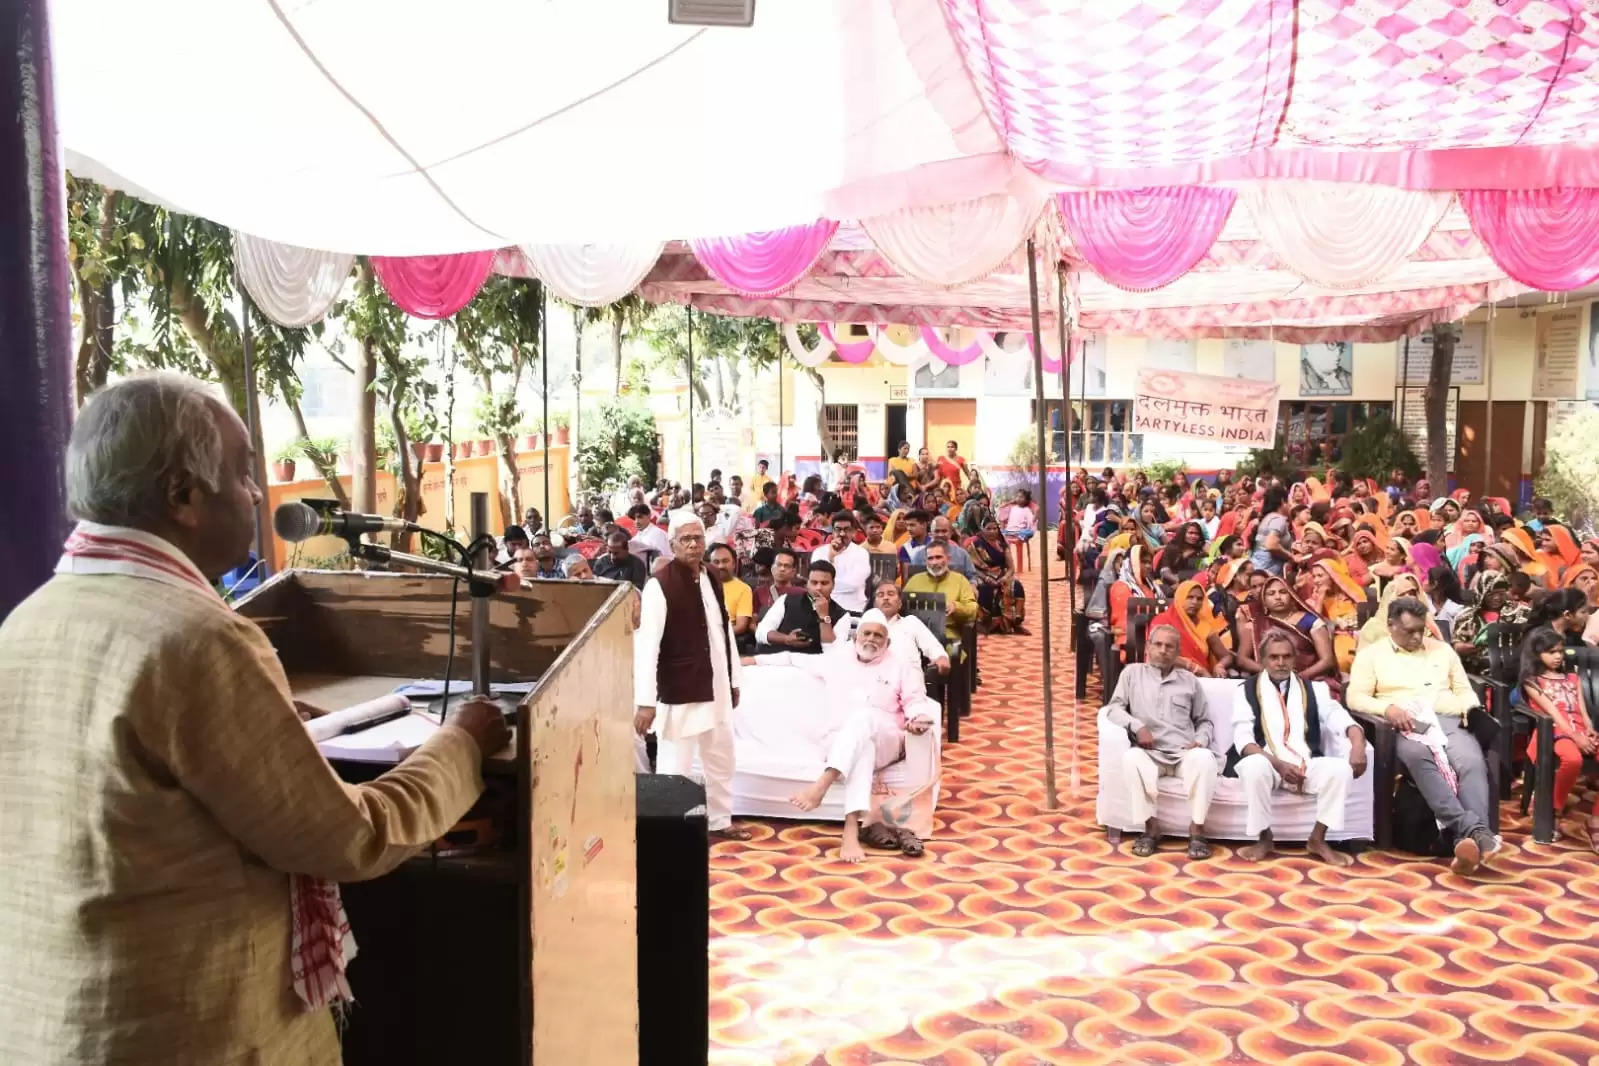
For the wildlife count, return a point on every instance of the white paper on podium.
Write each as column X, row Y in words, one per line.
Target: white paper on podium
column 388, row 742
column 331, row 725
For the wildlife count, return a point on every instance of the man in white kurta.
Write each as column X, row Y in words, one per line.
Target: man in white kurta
column 875, row 698
column 1277, row 722
column 908, row 636
column 697, row 728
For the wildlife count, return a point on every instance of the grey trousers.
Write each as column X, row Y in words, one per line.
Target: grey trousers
column 1463, row 814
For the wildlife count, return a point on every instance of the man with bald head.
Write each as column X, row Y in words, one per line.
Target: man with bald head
column 1162, row 707
column 942, row 531
column 878, row 698
column 686, row 673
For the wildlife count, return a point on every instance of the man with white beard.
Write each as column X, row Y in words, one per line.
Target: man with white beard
column 882, row 699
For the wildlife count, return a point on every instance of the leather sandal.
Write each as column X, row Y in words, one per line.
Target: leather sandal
column 1198, row 848
column 910, row 844
column 879, row 835
column 732, row 832
column 1145, row 845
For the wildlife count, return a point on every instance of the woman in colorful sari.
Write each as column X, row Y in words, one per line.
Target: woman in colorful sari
column 1184, row 556
column 1298, row 495
column 1521, row 542
column 1490, row 603
column 1468, row 525
column 1278, row 610
column 1583, row 576
column 1365, row 551
column 1134, row 581
column 1395, row 561
column 1336, row 597
column 1000, row 607
column 1201, row 635
column 1149, row 527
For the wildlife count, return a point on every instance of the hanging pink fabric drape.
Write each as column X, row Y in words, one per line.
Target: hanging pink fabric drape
column 1545, row 238
column 952, row 356
column 1142, row 239
column 767, row 262
column 849, row 351
column 433, row 286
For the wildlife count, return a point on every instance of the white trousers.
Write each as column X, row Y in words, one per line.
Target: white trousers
column 1197, row 767
column 1327, row 779
column 715, row 751
column 852, row 751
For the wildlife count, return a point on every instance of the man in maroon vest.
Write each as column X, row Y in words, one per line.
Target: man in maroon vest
column 686, row 673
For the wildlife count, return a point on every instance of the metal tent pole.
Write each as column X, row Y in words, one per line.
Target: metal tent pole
column 779, row 418
column 1051, row 798
column 691, row 466
column 544, row 366
column 252, row 418
column 1488, row 419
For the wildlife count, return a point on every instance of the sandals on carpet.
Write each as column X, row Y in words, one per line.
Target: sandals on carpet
column 732, row 832
column 1198, row 848
column 1145, row 845
column 910, row 845
column 880, row 836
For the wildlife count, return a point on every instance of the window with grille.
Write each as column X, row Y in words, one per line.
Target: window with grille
column 843, row 428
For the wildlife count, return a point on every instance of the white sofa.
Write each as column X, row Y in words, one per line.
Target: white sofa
column 778, row 729
column 1292, row 815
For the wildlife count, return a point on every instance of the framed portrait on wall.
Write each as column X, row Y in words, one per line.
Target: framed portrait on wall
column 1327, row 369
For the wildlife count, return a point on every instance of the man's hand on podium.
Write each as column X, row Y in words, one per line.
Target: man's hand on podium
column 485, row 722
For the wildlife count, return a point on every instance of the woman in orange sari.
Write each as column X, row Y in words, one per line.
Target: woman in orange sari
column 1557, row 549
column 1365, row 551
column 1526, row 550
column 1201, row 634
column 1336, row 597
column 1584, row 576
column 1135, row 580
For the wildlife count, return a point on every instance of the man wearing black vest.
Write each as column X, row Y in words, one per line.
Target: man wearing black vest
column 1277, row 730
column 686, row 673
column 805, row 623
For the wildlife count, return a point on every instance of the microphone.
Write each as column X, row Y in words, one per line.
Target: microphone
column 295, row 521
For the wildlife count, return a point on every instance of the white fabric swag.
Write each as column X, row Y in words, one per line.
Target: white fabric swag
column 592, row 275
column 1342, row 236
column 292, row 286
column 956, row 243
column 802, row 355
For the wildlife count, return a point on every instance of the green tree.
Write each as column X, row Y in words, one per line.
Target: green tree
column 1570, row 474
column 498, row 337
column 621, row 444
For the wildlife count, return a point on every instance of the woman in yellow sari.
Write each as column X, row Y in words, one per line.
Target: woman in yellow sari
column 1202, row 635
column 1376, row 627
column 1336, row 596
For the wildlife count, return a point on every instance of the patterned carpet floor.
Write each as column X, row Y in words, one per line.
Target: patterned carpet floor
column 1022, row 937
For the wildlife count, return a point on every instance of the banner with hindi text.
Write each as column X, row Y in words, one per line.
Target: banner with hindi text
column 1225, row 410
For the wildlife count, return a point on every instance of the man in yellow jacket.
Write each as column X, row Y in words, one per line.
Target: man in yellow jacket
column 960, row 600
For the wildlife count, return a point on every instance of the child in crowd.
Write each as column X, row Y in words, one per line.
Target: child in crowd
column 1555, row 692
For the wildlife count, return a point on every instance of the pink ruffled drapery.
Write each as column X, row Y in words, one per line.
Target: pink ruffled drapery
column 952, row 356
column 849, row 351
column 766, row 262
column 433, row 286
column 1343, row 236
column 1545, row 238
column 1142, row 239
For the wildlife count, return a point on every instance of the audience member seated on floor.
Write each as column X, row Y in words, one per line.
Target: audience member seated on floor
column 618, row 563
column 1163, row 707
column 960, row 600
column 1553, row 691
column 907, row 636
column 785, row 577
column 722, row 562
column 1417, row 684
column 804, row 623
column 1277, row 729
column 883, row 699
column 852, row 566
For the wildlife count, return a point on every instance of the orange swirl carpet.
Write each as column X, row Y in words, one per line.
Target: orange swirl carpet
column 1021, row 937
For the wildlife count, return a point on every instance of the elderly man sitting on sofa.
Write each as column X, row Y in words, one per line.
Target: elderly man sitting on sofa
column 1277, row 731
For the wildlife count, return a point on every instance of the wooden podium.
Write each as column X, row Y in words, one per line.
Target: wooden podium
column 524, row 952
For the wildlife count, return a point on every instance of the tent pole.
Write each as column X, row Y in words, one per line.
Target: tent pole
column 1488, row 419
column 252, row 416
column 1066, row 425
column 780, row 417
column 544, row 365
column 1051, row 798
column 691, row 467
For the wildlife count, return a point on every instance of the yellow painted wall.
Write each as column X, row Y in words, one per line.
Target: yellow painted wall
column 478, row 474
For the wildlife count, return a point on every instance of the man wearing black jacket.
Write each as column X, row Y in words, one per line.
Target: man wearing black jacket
column 804, row 623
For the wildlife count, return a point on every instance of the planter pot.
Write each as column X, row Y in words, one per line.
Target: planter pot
column 283, row 470
column 435, row 452
column 528, row 442
column 420, row 450
column 563, row 434
column 463, row 449
column 483, row 447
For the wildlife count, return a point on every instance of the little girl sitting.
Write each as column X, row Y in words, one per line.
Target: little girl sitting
column 1555, row 694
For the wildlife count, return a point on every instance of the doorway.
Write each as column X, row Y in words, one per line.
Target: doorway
column 948, row 420
column 894, row 429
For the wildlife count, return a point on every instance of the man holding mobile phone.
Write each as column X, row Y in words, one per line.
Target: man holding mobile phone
column 804, row 623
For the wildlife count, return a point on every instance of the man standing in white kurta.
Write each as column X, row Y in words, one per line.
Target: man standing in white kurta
column 686, row 675
column 879, row 697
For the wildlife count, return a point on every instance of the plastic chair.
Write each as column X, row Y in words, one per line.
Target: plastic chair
column 1024, row 551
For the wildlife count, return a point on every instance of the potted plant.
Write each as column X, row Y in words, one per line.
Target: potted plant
column 496, row 417
column 323, row 452
column 463, row 449
column 434, row 452
column 283, row 461
column 532, row 437
column 419, row 430
column 563, row 427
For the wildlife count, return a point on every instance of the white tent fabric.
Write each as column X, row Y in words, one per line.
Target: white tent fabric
column 403, row 127
column 592, row 274
column 292, row 286
column 1343, row 236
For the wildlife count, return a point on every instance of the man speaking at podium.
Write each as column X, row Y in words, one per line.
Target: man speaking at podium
column 170, row 834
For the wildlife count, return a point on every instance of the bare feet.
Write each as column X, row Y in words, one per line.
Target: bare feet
column 1258, row 852
column 811, row 798
column 1328, row 854
column 851, row 851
